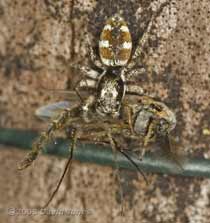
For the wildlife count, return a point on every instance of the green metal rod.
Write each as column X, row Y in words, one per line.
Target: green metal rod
column 103, row 155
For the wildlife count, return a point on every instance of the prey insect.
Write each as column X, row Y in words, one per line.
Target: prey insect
column 72, row 117
column 149, row 119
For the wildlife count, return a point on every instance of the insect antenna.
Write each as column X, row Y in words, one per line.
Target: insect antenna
column 69, row 94
column 67, row 167
column 134, row 164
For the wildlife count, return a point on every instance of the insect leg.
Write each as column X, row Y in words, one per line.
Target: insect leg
column 149, row 136
column 129, row 114
column 38, row 145
column 73, row 138
column 134, row 164
column 117, row 174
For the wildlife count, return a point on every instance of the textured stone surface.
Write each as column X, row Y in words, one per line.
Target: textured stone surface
column 39, row 40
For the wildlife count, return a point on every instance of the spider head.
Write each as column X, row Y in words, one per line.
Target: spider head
column 110, row 92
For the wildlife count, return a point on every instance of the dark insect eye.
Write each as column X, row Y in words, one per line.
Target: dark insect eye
column 156, row 107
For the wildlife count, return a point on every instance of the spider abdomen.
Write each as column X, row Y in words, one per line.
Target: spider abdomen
column 115, row 43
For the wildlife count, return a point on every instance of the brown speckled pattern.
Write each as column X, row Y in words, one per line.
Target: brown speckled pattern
column 39, row 39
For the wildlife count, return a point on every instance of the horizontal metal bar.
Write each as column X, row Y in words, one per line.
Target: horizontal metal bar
column 103, row 155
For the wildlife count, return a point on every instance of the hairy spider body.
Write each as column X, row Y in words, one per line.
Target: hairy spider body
column 117, row 64
column 115, row 46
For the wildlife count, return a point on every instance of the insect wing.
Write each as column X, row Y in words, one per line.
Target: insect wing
column 169, row 151
column 48, row 112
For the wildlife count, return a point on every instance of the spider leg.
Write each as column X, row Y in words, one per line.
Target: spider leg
column 44, row 138
column 89, row 76
column 86, row 107
column 87, row 81
column 93, row 57
column 134, row 90
column 140, row 45
column 135, row 72
column 67, row 167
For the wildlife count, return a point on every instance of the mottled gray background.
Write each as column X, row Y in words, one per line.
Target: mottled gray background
column 38, row 41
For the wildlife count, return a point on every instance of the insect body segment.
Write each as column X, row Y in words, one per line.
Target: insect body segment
column 156, row 110
column 115, row 43
column 152, row 118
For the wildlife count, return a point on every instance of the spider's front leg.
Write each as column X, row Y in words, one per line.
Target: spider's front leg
column 93, row 56
column 128, row 114
column 44, row 138
column 134, row 90
column 89, row 76
column 87, row 81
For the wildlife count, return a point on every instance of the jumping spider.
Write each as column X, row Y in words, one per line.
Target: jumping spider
column 118, row 67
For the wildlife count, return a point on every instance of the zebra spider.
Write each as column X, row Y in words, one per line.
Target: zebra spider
column 117, row 64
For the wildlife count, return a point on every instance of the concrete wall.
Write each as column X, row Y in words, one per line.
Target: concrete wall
column 39, row 40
